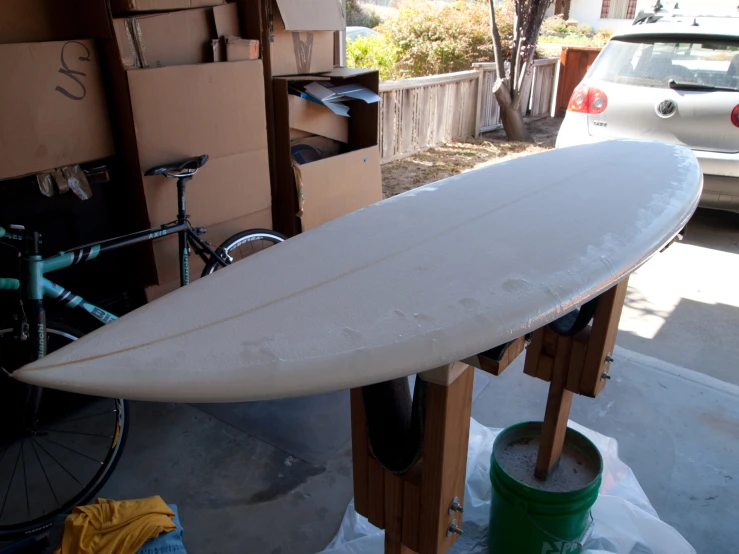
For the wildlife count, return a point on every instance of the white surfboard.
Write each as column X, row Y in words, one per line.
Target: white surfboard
column 419, row 280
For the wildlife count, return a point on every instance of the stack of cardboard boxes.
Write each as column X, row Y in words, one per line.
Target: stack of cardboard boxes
column 157, row 81
column 339, row 182
column 172, row 101
column 300, row 38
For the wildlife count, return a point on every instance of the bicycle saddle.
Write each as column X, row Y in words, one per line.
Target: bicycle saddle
column 191, row 164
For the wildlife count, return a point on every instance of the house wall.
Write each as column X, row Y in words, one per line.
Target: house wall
column 588, row 11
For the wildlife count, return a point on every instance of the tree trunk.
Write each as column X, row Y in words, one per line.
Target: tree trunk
column 510, row 114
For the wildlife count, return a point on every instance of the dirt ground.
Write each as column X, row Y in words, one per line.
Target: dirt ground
column 463, row 155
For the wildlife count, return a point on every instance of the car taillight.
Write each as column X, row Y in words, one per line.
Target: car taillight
column 588, row 100
column 735, row 116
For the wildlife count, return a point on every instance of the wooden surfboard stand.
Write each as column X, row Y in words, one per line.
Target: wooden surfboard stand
column 421, row 510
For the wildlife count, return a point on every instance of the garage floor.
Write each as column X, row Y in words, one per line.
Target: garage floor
column 246, row 485
column 677, row 429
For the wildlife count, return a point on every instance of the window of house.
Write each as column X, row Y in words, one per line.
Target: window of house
column 618, row 9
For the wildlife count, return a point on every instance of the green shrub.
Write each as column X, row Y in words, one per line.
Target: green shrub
column 373, row 52
column 581, row 29
column 360, row 15
column 602, row 36
column 423, row 39
column 554, row 24
column 432, row 40
column 569, row 39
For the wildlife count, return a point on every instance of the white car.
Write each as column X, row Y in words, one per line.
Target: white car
column 673, row 79
column 359, row 32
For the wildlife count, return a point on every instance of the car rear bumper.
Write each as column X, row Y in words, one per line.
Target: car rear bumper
column 720, row 192
column 720, row 180
column 718, row 163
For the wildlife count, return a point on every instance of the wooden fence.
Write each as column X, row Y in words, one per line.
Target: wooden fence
column 489, row 116
column 425, row 111
column 541, row 99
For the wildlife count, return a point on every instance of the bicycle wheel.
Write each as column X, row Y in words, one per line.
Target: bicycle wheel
column 63, row 457
column 242, row 245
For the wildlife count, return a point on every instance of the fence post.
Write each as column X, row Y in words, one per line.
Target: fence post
column 555, row 89
column 478, row 112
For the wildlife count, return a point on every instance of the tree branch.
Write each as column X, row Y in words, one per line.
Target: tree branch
column 518, row 94
column 516, row 64
column 497, row 50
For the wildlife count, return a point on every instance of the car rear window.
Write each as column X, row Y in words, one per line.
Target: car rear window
column 653, row 62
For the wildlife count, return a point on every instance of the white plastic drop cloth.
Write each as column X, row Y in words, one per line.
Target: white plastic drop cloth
column 624, row 520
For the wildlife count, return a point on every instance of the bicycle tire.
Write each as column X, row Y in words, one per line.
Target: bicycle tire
column 239, row 239
column 35, row 525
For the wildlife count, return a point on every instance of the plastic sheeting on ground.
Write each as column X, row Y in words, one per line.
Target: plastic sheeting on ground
column 624, row 520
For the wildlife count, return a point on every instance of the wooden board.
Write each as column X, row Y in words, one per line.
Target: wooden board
column 495, row 361
column 417, row 281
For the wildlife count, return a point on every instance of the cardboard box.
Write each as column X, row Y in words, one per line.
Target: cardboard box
column 52, row 20
column 166, row 249
column 214, row 109
column 350, row 182
column 53, row 111
column 297, row 134
column 238, row 49
column 175, row 38
column 336, row 186
column 123, row 6
column 313, row 118
column 226, row 21
column 301, row 38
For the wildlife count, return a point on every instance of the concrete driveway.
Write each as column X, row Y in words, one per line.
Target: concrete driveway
column 683, row 306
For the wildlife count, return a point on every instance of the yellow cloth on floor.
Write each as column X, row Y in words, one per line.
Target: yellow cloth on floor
column 115, row 527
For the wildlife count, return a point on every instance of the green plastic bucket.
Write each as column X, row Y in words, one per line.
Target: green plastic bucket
column 527, row 520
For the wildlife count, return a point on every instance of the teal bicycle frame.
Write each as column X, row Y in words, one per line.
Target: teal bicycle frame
column 38, row 287
column 34, row 286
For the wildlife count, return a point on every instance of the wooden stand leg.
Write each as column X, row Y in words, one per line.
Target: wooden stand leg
column 394, row 515
column 414, row 508
column 578, row 364
column 559, row 402
column 369, row 476
column 446, row 434
column 360, row 452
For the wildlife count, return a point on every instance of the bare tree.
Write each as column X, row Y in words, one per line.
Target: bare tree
column 508, row 88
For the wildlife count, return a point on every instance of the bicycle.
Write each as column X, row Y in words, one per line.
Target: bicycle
column 37, row 422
